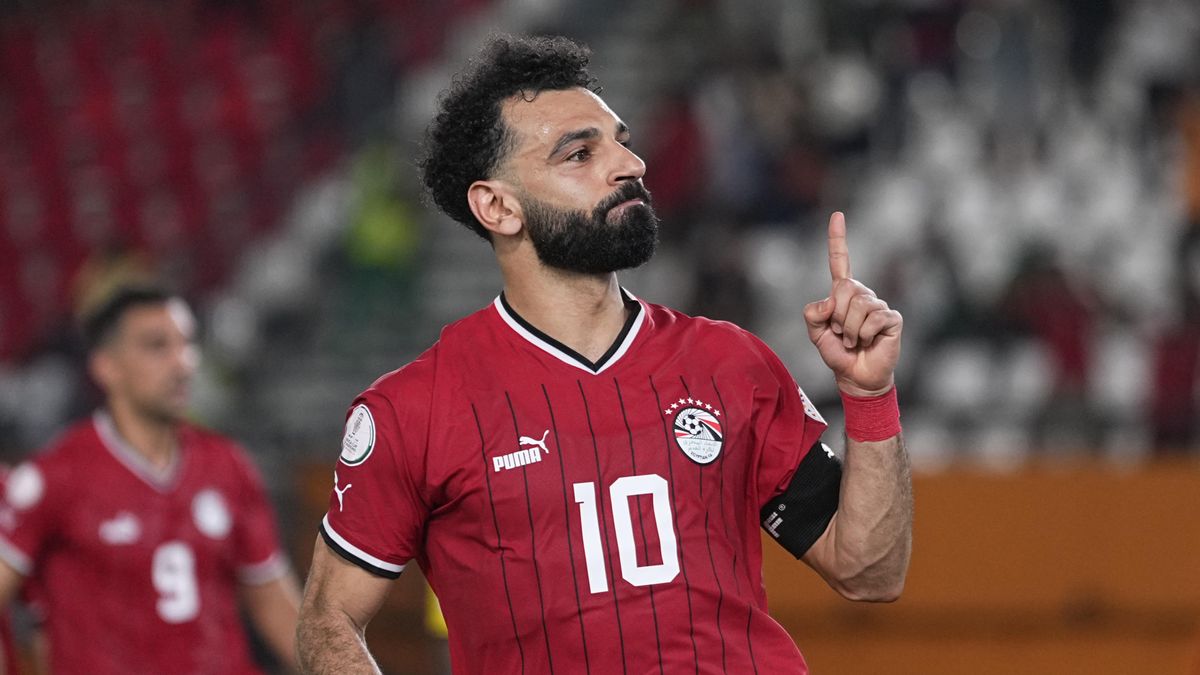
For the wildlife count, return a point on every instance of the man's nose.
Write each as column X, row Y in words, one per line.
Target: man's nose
column 627, row 167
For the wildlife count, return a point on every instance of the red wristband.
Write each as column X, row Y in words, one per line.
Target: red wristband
column 871, row 418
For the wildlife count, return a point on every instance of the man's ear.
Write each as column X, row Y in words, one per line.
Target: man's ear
column 101, row 368
column 496, row 207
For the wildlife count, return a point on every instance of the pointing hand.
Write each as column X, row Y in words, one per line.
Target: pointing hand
column 856, row 333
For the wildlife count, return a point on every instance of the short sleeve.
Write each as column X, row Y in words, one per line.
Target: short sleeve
column 28, row 515
column 259, row 558
column 377, row 512
column 787, row 427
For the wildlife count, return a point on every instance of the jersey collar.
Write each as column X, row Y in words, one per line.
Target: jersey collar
column 558, row 350
column 160, row 479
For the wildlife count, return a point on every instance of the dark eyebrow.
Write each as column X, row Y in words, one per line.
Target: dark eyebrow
column 572, row 136
column 587, row 134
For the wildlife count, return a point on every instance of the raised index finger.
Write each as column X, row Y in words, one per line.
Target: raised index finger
column 839, row 253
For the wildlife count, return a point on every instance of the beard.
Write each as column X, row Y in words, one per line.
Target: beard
column 161, row 411
column 589, row 243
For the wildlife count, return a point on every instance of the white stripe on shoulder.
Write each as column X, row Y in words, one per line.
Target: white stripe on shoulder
column 358, row 552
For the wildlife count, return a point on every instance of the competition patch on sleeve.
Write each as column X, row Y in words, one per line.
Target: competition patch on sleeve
column 359, row 439
column 810, row 409
column 24, row 487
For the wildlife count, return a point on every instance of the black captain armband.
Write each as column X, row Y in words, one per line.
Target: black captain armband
column 798, row 516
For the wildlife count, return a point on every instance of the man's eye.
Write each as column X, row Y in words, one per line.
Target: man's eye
column 579, row 155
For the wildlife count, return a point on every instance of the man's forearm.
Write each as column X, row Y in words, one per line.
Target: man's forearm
column 273, row 607
column 339, row 600
column 871, row 535
column 328, row 643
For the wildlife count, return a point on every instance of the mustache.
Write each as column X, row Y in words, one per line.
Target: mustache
column 629, row 190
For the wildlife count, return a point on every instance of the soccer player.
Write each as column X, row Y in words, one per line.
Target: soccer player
column 140, row 530
column 582, row 474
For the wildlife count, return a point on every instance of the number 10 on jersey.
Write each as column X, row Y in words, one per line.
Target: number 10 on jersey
column 593, row 544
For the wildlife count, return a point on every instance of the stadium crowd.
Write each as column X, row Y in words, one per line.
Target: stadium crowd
column 1025, row 176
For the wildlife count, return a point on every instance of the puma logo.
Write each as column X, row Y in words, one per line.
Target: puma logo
column 524, row 456
column 123, row 528
column 526, row 440
column 340, row 491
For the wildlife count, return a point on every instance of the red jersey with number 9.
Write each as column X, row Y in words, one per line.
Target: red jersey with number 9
column 576, row 516
column 138, row 569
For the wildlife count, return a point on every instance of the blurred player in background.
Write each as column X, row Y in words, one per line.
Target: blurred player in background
column 141, row 530
column 582, row 475
column 8, row 648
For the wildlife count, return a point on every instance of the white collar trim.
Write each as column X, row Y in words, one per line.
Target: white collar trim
column 160, row 479
column 572, row 359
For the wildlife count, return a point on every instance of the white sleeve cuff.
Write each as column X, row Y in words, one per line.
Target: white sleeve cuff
column 257, row 574
column 356, row 555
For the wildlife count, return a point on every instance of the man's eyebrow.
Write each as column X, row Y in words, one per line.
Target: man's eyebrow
column 588, row 134
column 572, row 136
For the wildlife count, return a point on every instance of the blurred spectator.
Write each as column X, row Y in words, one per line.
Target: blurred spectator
column 184, row 131
column 1045, row 303
column 722, row 289
column 1176, row 383
column 1088, row 29
column 677, row 153
column 380, row 248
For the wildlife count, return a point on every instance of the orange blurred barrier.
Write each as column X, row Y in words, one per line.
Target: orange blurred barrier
column 1052, row 569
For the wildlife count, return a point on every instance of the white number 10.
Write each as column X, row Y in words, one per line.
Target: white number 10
column 593, row 545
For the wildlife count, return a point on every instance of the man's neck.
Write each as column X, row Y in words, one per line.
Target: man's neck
column 155, row 440
column 583, row 312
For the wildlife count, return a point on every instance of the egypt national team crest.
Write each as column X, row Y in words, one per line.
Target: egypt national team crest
column 697, row 429
column 211, row 515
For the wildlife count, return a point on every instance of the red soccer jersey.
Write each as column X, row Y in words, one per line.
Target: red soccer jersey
column 578, row 517
column 8, row 646
column 138, row 570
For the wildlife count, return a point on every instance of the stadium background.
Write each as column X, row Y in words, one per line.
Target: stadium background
column 1021, row 178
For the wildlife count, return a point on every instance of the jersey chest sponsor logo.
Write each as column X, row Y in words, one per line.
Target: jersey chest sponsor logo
column 697, row 428
column 120, row 530
column 531, row 452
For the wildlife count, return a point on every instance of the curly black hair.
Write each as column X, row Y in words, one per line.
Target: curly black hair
column 467, row 140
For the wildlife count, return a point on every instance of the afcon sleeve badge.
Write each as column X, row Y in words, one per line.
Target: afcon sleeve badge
column 810, row 409
column 697, row 429
column 359, row 440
